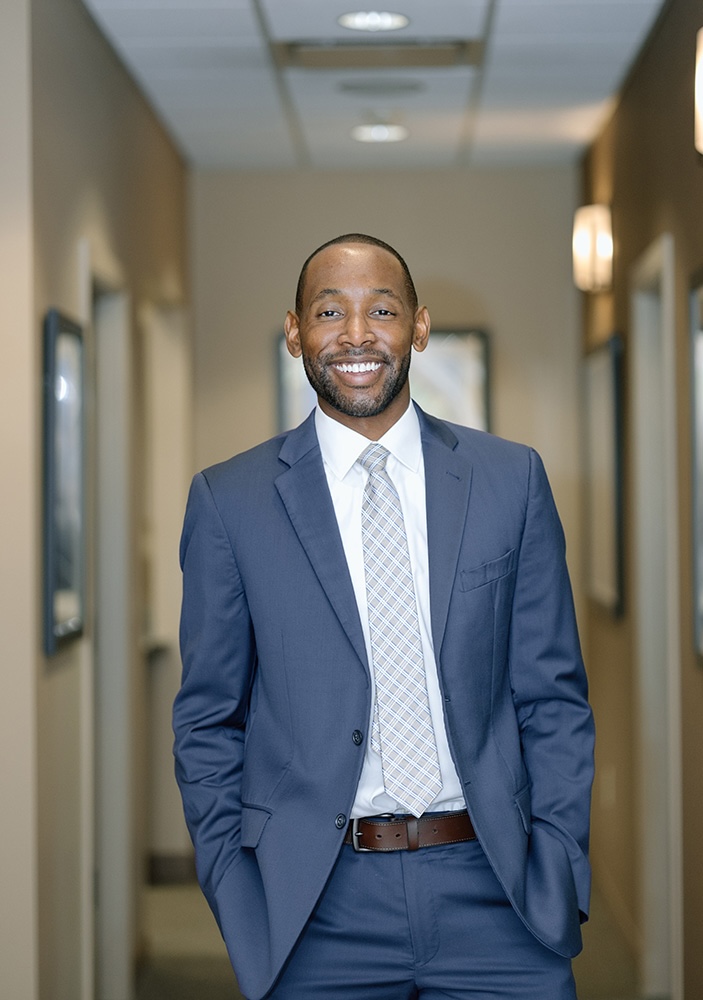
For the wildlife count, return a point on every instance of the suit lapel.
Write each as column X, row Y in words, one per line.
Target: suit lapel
column 447, row 488
column 304, row 491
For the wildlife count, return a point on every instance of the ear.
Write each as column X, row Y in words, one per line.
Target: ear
column 421, row 331
column 291, row 329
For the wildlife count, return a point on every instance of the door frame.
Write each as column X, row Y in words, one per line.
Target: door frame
column 656, row 611
column 108, row 912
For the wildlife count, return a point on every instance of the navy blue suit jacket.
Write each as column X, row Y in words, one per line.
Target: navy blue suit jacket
column 276, row 681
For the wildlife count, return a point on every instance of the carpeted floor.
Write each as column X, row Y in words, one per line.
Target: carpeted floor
column 605, row 969
column 187, row 960
column 188, row 978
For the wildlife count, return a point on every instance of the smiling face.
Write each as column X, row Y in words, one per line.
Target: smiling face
column 355, row 333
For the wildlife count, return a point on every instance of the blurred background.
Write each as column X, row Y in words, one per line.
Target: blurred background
column 166, row 167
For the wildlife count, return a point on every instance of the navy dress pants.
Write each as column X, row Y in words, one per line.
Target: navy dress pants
column 433, row 924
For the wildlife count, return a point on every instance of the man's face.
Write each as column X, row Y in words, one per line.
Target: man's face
column 355, row 334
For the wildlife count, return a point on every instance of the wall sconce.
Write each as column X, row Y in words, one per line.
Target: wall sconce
column 698, row 92
column 593, row 248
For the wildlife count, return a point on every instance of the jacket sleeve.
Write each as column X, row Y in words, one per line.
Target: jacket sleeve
column 549, row 686
column 210, row 711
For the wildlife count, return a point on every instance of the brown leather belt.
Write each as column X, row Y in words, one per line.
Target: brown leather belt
column 405, row 833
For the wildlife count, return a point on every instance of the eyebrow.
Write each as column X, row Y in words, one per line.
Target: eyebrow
column 324, row 292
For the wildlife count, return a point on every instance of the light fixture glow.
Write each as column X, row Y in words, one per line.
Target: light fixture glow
column 592, row 246
column 373, row 20
column 698, row 91
column 379, row 133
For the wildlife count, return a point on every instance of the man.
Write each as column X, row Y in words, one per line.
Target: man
column 383, row 740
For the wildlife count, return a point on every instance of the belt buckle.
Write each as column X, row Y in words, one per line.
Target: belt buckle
column 356, row 833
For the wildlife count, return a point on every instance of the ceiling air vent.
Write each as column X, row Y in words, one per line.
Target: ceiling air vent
column 343, row 55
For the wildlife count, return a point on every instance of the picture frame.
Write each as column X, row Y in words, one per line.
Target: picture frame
column 449, row 379
column 64, row 480
column 696, row 347
column 603, row 422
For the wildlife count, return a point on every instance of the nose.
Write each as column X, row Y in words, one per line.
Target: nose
column 356, row 330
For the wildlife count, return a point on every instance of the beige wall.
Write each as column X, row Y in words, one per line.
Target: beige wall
column 645, row 164
column 18, row 528
column 109, row 206
column 489, row 247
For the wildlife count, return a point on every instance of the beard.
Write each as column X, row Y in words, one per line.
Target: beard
column 359, row 402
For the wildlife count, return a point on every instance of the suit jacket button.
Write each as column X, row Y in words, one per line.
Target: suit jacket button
column 341, row 821
column 358, row 737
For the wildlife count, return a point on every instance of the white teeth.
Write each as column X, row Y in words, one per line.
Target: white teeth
column 365, row 366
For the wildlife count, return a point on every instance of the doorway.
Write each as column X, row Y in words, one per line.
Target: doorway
column 167, row 470
column 115, row 917
column 656, row 608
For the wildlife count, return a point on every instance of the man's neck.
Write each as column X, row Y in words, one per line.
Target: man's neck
column 373, row 427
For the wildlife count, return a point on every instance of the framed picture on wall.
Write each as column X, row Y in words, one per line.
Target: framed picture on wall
column 449, row 379
column 64, row 487
column 604, row 502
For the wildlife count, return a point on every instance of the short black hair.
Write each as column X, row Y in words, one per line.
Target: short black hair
column 357, row 238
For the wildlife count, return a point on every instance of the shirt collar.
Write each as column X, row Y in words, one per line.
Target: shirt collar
column 341, row 446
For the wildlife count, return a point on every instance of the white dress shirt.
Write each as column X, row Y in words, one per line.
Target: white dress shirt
column 341, row 447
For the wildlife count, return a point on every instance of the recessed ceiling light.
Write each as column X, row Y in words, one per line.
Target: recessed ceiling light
column 379, row 133
column 373, row 20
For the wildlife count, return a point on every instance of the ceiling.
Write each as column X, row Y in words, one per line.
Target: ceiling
column 278, row 84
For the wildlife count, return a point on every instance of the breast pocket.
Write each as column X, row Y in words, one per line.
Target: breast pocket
column 479, row 576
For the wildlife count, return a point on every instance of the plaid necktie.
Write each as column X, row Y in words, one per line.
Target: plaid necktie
column 402, row 729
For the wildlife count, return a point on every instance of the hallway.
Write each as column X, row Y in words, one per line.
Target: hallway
column 187, row 960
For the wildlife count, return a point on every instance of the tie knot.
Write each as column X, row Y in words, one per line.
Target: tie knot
column 374, row 458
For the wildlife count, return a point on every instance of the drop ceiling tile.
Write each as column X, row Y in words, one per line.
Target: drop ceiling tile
column 557, row 57
column 233, row 94
column 391, row 156
column 223, row 146
column 200, row 113
column 238, row 88
column 168, row 4
column 520, row 80
column 433, row 111
column 545, row 134
column 219, row 138
column 527, row 21
column 430, row 89
column 188, row 23
column 545, row 97
column 187, row 63
column 434, row 141
column 317, row 19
